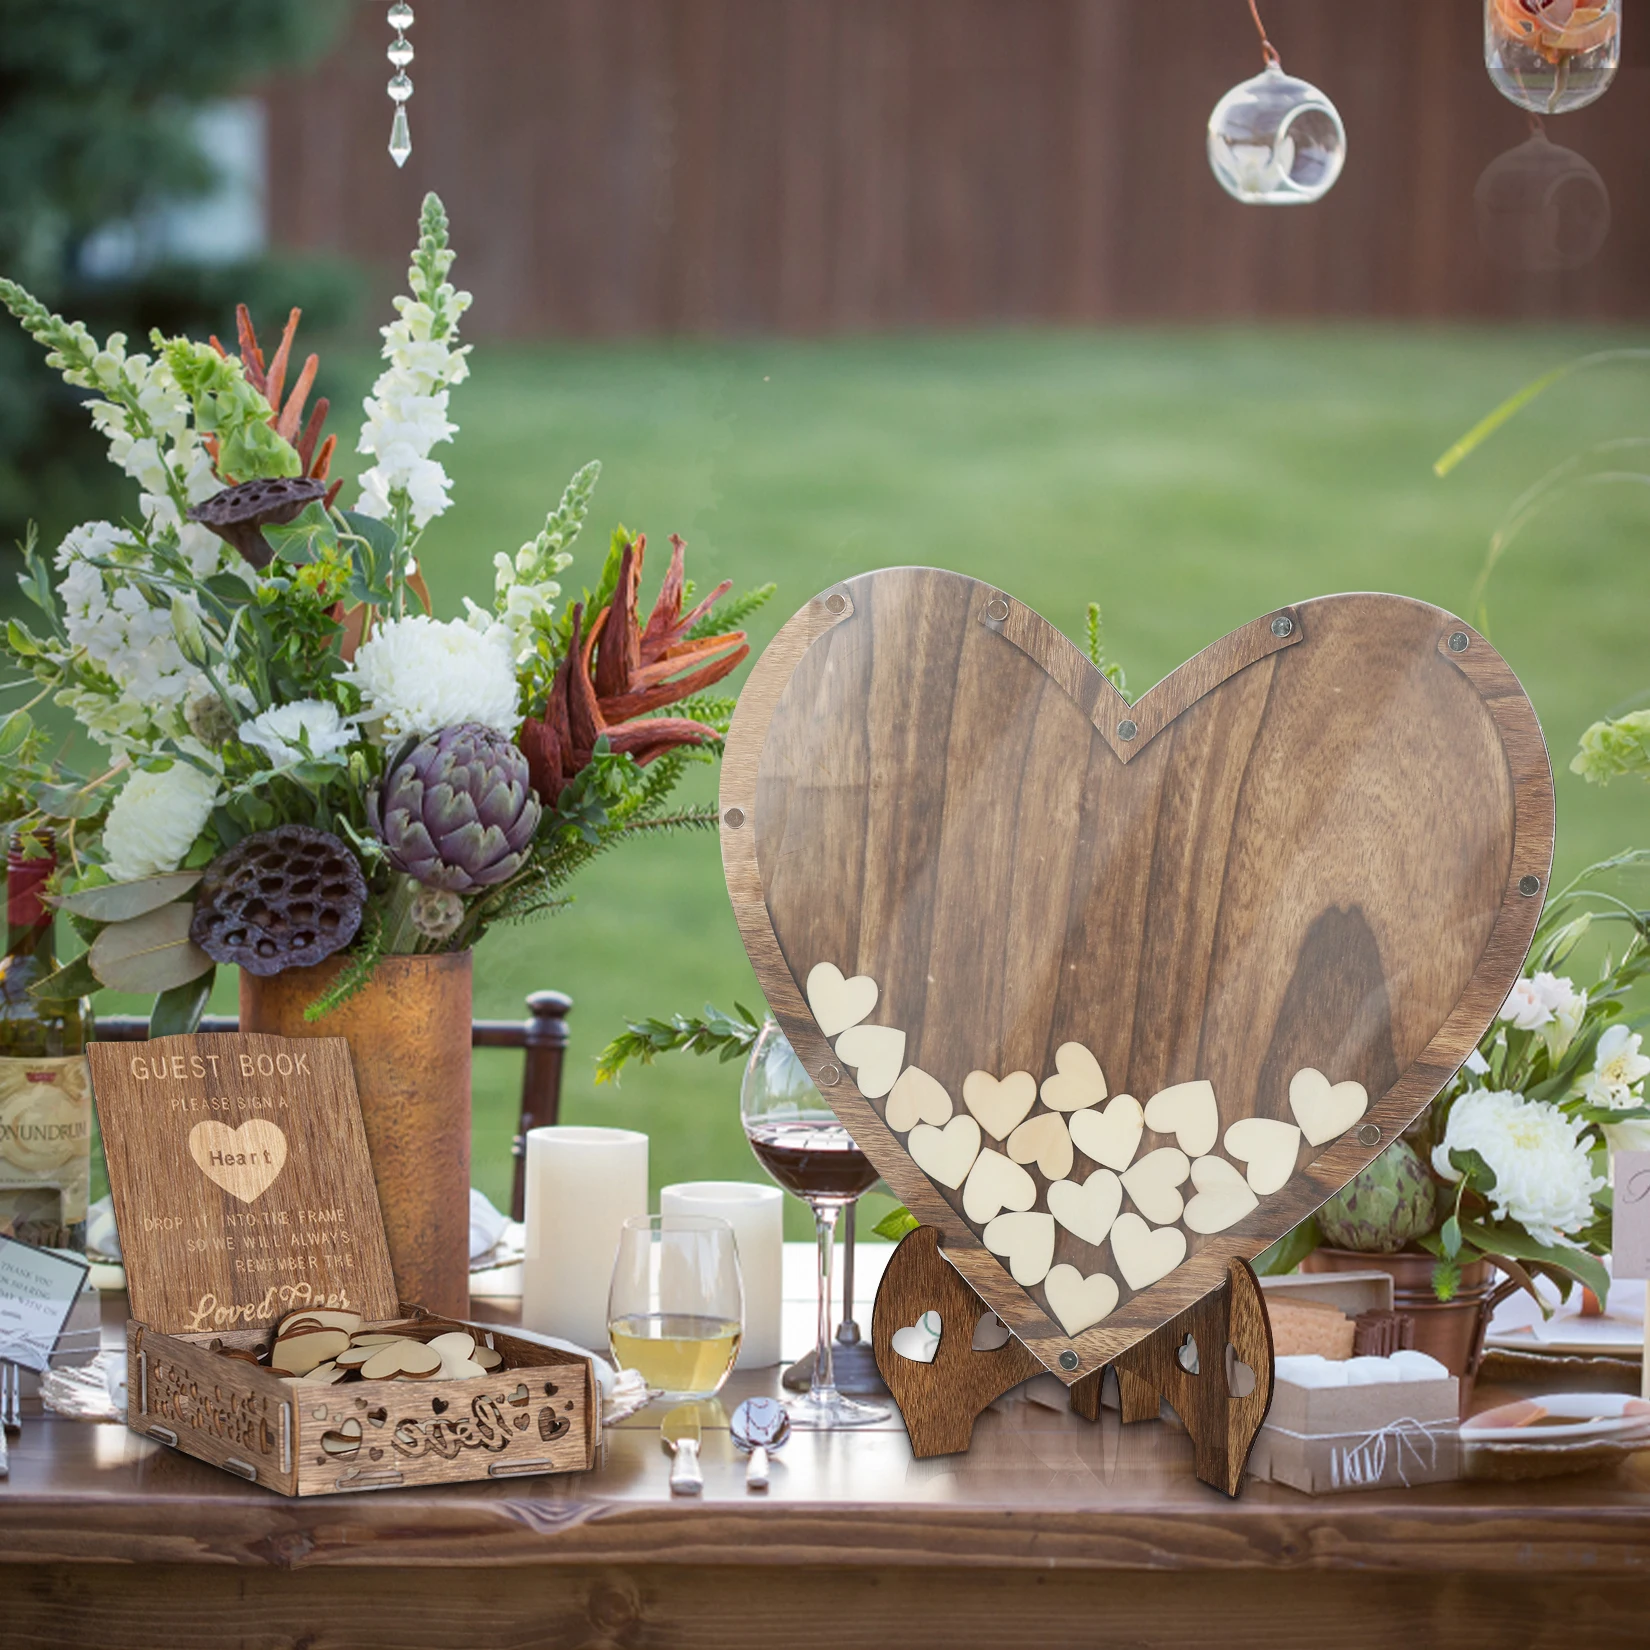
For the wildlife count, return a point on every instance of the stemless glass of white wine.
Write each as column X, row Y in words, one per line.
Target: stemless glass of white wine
column 676, row 1310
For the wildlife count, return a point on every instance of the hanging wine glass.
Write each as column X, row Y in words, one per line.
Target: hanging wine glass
column 1552, row 56
column 1275, row 140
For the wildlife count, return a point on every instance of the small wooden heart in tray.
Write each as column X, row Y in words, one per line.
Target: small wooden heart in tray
column 1302, row 873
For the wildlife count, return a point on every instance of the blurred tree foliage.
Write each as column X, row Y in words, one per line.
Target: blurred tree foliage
column 95, row 128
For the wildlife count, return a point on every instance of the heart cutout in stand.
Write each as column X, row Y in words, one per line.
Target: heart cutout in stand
column 919, row 1341
column 1319, row 845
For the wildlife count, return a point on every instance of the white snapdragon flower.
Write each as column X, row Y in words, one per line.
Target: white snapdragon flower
column 407, row 410
column 1618, row 1067
column 119, row 632
column 1631, row 1136
column 278, row 732
column 155, row 820
column 1543, row 1178
column 417, row 676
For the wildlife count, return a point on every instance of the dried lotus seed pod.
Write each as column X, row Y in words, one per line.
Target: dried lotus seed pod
column 279, row 899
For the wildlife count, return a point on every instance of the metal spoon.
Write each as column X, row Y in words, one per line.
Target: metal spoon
column 759, row 1425
column 679, row 1433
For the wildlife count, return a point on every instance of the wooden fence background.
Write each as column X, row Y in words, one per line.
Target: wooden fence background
column 732, row 166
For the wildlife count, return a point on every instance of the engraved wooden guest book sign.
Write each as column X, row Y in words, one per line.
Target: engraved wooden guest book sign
column 251, row 1231
column 1115, row 994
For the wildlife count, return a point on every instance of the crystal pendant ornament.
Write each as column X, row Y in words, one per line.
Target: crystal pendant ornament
column 1276, row 140
column 400, row 88
column 1552, row 56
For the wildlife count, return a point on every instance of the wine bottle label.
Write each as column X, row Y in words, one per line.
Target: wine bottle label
column 45, row 1148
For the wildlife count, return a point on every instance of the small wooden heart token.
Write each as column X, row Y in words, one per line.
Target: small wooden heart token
column 1043, row 1140
column 410, row 1360
column 1187, row 1111
column 917, row 1098
column 838, row 1003
column 996, row 1183
column 1324, row 1109
column 945, row 1155
column 1153, row 1184
column 1111, row 1137
column 876, row 1053
column 999, row 1104
column 1268, row 1147
column 1077, row 1082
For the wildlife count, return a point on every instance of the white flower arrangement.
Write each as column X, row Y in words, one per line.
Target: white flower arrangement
column 252, row 658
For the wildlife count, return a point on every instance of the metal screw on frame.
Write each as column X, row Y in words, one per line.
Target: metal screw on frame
column 1529, row 887
column 996, row 609
column 1283, row 625
column 1369, row 1135
column 836, row 602
column 1459, row 641
column 829, row 1075
column 734, row 818
column 1069, row 1359
column 1126, row 729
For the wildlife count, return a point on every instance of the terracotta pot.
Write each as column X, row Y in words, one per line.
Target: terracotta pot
column 1451, row 1331
column 409, row 1033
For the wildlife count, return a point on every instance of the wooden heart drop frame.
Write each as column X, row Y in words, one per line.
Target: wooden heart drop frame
column 1318, row 847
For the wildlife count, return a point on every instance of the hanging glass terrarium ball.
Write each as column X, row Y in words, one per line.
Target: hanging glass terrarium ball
column 1551, row 56
column 1541, row 208
column 1276, row 140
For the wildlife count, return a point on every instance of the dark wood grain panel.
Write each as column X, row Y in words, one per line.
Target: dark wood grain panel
column 1310, row 852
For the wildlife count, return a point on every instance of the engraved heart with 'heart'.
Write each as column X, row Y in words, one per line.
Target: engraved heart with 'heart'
column 244, row 1161
column 1318, row 846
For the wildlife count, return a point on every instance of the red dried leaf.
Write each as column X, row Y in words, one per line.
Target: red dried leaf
column 654, row 735
column 286, row 425
column 275, row 381
column 620, row 646
column 629, row 705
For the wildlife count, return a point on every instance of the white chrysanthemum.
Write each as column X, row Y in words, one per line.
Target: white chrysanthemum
column 1617, row 1068
column 277, row 733
column 417, row 676
column 155, row 820
column 1543, row 1179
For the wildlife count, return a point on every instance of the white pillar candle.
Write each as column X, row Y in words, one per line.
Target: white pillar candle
column 583, row 1184
column 756, row 1214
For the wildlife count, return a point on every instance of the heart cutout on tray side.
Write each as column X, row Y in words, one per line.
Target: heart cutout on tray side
column 1021, row 874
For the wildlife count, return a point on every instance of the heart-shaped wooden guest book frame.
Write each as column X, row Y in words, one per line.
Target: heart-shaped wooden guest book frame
column 1115, row 994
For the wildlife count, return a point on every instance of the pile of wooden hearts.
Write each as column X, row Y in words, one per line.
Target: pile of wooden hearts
column 320, row 1347
column 999, row 1194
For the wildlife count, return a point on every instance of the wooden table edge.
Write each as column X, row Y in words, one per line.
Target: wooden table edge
column 389, row 1533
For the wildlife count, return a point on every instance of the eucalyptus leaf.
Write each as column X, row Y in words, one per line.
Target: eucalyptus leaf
column 14, row 732
column 121, row 901
column 66, row 801
column 151, row 953
column 74, row 979
column 179, row 1009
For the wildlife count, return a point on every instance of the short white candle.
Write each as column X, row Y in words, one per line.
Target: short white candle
column 757, row 1216
column 583, row 1184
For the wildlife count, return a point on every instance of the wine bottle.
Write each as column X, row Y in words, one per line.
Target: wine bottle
column 45, row 1084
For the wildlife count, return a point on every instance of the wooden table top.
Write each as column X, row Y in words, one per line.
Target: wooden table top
column 1039, row 1489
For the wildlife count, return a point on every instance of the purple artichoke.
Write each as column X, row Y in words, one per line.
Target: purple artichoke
column 457, row 811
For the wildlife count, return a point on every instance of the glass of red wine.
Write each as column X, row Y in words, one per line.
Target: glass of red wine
column 798, row 1140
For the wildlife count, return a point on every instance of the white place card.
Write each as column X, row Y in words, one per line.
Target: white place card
column 1630, row 1236
column 38, row 1289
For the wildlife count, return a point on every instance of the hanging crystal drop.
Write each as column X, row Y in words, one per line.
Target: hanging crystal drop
column 400, row 137
column 400, row 15
column 400, row 53
column 400, row 88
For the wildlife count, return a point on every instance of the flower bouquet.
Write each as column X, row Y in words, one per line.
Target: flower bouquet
column 302, row 760
column 1511, row 1163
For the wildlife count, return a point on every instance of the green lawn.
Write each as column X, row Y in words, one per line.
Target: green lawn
column 1188, row 480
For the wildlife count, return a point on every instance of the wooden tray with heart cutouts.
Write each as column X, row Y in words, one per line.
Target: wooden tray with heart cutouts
column 1114, row 994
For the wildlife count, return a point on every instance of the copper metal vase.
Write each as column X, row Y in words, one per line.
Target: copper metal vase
column 409, row 1032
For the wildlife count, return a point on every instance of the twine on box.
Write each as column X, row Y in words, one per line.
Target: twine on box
column 1365, row 1462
